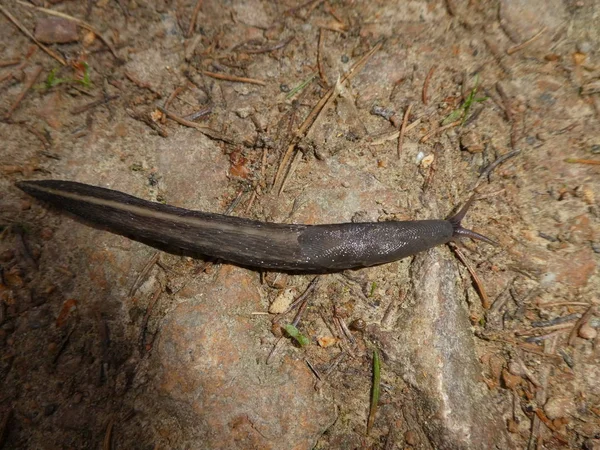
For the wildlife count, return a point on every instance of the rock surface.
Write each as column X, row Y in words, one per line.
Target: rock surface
column 214, row 378
column 432, row 348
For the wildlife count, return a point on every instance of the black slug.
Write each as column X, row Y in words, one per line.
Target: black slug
column 300, row 248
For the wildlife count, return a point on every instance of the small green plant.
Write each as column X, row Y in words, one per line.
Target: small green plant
column 53, row 80
column 375, row 390
column 301, row 86
column 372, row 290
column 463, row 112
column 294, row 333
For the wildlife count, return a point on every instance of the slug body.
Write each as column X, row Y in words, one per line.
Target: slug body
column 290, row 247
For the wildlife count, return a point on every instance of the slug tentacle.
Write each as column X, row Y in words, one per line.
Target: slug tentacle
column 459, row 231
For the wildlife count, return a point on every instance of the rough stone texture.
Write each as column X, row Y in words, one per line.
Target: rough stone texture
column 432, row 347
column 212, row 373
column 522, row 19
column 196, row 187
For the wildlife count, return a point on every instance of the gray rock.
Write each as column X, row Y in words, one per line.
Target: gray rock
column 432, row 348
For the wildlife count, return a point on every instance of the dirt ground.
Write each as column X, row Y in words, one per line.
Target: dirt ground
column 316, row 112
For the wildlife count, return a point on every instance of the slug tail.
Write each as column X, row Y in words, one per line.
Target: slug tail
column 460, row 232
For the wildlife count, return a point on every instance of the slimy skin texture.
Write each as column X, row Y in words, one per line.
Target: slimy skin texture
column 250, row 243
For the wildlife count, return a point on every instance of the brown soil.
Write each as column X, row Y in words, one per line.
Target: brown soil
column 500, row 98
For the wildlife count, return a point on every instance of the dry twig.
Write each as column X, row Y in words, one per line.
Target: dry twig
column 403, row 129
column 516, row 48
column 485, row 300
column 26, row 89
column 426, row 83
column 194, row 17
column 234, row 78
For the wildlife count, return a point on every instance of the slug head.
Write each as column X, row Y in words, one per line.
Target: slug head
column 459, row 231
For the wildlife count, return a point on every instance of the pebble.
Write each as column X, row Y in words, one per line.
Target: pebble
column 471, row 142
column 586, row 331
column 557, row 407
column 427, row 161
column 56, row 30
column 326, row 341
column 510, row 381
column 515, row 368
column 282, row 301
column 584, row 47
column 411, row 438
column 381, row 111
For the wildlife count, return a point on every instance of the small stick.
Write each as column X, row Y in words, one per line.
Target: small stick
column 439, row 130
column 193, row 19
column 542, row 330
column 283, row 164
column 142, row 275
column 27, row 33
column 516, row 48
column 403, row 129
column 346, row 330
column 63, row 345
column 556, row 321
column 565, row 304
column 137, row 115
column 226, row 77
column 95, row 103
column 172, row 96
column 205, row 130
column 197, row 114
column 290, row 171
column 251, row 201
column 331, row 11
column 506, row 101
column 383, row 138
column 135, row 80
column 144, row 326
column 274, row 350
column 502, row 159
column 485, row 300
column 79, row 22
column 10, row 62
column 426, row 83
column 263, row 163
column 270, row 48
column 309, row 289
column 334, row 362
column 582, row 321
column 107, row 443
column 45, row 142
column 320, row 58
column 21, row 96
column 314, row 370
column 593, row 162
